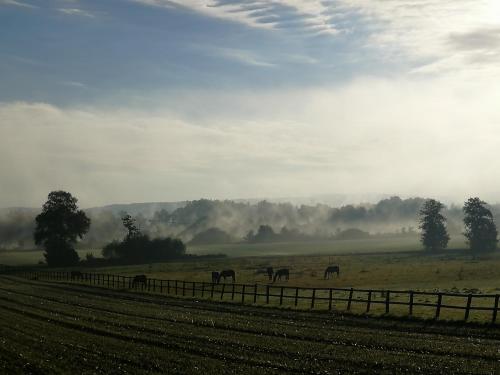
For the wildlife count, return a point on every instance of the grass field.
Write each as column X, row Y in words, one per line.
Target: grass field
column 373, row 244
column 50, row 328
column 395, row 263
column 30, row 257
column 447, row 271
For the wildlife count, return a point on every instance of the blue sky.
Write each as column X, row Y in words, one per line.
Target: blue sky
column 176, row 99
column 66, row 52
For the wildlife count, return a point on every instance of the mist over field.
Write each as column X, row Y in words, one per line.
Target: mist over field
column 213, row 221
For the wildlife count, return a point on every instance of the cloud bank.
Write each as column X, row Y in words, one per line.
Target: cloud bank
column 405, row 136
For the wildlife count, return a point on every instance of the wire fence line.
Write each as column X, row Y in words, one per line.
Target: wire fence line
column 402, row 302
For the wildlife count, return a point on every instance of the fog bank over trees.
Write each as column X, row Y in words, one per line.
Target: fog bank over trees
column 210, row 221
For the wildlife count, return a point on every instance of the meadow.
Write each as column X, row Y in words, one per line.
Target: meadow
column 389, row 263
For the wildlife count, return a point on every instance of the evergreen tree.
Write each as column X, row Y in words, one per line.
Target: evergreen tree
column 480, row 229
column 433, row 225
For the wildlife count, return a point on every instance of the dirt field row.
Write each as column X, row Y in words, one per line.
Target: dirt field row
column 49, row 328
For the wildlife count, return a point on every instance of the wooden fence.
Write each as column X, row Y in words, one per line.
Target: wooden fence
column 345, row 299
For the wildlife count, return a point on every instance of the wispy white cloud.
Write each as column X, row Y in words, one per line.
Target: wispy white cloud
column 310, row 15
column 422, row 30
column 242, row 56
column 76, row 12
column 17, row 3
column 74, row 84
column 430, row 33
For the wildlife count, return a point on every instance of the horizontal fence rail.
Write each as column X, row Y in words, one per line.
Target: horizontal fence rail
column 402, row 302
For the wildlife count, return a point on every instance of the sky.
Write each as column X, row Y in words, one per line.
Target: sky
column 124, row 101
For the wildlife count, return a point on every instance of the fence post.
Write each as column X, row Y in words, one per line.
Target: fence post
column 202, row 289
column 467, row 309
column 175, row 287
column 411, row 303
column 387, row 301
column 267, row 294
column 232, row 293
column 212, row 292
column 194, row 288
column 350, row 299
column 330, row 300
column 154, row 285
column 183, row 288
column 168, row 286
column 313, row 298
column 255, row 294
column 222, row 292
column 108, row 281
column 296, row 296
column 495, row 309
column 281, row 296
column 438, row 306
column 369, row 302
column 243, row 294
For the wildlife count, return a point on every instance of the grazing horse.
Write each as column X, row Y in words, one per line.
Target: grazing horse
column 270, row 272
column 284, row 272
column 330, row 270
column 76, row 275
column 215, row 277
column 227, row 273
column 139, row 279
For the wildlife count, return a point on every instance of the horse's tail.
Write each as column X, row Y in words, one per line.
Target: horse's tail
column 275, row 276
column 326, row 273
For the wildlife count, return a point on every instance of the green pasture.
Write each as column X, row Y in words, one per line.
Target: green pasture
column 454, row 271
column 395, row 263
column 374, row 244
column 32, row 257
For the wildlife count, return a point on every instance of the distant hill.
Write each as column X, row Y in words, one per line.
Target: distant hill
column 147, row 209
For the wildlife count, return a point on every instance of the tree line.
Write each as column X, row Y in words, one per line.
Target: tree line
column 206, row 221
column 61, row 224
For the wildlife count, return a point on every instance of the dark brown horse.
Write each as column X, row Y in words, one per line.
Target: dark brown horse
column 284, row 272
column 215, row 277
column 270, row 272
column 330, row 270
column 139, row 279
column 227, row 273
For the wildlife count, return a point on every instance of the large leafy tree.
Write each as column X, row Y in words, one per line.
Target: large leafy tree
column 480, row 229
column 433, row 225
column 58, row 228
